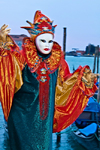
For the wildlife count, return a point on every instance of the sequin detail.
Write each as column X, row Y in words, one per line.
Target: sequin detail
column 43, row 78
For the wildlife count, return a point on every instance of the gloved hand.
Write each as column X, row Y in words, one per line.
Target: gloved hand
column 4, row 40
column 4, row 32
column 89, row 77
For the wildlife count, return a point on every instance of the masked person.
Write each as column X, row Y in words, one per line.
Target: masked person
column 38, row 93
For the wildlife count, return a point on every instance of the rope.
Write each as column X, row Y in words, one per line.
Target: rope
column 97, row 137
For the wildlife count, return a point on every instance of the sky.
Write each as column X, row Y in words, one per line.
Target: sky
column 81, row 18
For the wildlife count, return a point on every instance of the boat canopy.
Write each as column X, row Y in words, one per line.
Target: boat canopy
column 90, row 129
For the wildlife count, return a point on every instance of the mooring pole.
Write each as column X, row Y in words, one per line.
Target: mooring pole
column 94, row 60
column 98, row 96
column 58, row 137
column 64, row 41
column 98, row 59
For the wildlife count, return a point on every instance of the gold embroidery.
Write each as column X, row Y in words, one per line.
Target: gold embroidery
column 33, row 60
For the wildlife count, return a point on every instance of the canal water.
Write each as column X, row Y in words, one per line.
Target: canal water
column 67, row 141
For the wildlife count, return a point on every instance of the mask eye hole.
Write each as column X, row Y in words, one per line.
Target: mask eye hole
column 43, row 41
column 51, row 41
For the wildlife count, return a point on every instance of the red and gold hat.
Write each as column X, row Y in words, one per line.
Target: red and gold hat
column 41, row 24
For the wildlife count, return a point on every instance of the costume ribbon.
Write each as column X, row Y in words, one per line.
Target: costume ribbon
column 43, row 78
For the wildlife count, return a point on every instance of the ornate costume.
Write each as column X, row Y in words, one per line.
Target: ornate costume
column 38, row 93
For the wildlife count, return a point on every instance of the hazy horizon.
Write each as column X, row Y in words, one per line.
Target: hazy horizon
column 81, row 18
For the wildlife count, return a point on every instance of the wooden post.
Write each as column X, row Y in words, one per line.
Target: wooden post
column 64, row 41
column 98, row 59
column 94, row 60
column 58, row 137
column 98, row 96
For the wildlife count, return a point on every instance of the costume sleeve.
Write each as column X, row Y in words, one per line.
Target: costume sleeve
column 71, row 98
column 10, row 76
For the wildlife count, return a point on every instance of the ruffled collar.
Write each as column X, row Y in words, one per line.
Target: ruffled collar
column 33, row 59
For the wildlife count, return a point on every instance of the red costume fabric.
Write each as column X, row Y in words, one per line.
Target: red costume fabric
column 77, row 100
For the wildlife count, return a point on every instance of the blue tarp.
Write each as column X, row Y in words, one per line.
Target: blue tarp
column 92, row 106
column 90, row 129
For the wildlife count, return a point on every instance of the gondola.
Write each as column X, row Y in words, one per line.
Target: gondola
column 86, row 129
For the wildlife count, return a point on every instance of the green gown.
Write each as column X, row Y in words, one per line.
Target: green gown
column 26, row 130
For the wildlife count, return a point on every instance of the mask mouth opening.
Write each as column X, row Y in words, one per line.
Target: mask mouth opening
column 44, row 56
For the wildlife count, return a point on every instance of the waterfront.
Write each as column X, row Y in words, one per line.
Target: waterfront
column 76, row 61
column 67, row 141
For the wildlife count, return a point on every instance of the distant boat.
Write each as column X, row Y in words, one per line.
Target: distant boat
column 86, row 129
column 78, row 55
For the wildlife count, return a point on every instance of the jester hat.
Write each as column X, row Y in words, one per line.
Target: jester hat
column 41, row 24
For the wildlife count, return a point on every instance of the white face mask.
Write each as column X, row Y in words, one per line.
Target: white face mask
column 44, row 43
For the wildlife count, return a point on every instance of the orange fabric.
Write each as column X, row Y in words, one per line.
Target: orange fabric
column 14, row 49
column 64, row 72
column 11, row 64
column 11, row 46
column 20, row 58
column 75, row 103
column 10, row 80
column 63, row 90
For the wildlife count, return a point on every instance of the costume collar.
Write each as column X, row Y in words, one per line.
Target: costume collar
column 33, row 59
